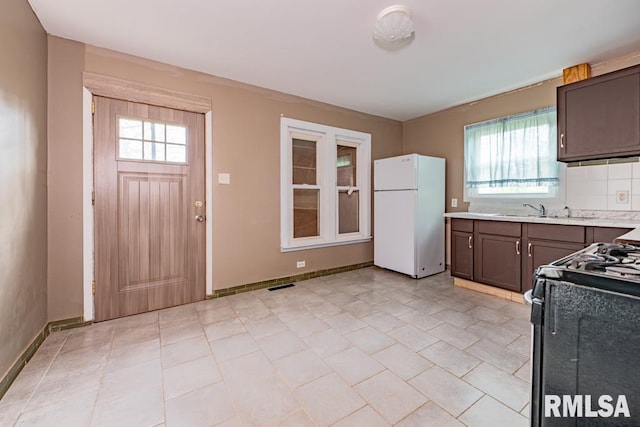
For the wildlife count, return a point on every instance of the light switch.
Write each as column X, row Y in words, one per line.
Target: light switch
column 224, row 178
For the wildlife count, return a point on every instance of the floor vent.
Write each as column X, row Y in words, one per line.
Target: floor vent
column 275, row 288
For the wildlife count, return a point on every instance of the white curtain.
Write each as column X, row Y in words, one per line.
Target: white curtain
column 513, row 151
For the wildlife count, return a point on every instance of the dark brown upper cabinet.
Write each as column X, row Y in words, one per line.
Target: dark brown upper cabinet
column 599, row 118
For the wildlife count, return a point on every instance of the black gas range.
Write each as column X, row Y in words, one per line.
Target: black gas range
column 586, row 338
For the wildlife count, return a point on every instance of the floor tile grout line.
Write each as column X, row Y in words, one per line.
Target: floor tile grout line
column 369, row 299
column 22, row 411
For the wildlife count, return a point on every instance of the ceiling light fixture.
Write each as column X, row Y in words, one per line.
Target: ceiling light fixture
column 394, row 25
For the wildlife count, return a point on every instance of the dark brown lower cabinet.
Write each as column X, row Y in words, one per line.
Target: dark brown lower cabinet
column 506, row 254
column 498, row 260
column 462, row 248
column 541, row 252
column 462, row 254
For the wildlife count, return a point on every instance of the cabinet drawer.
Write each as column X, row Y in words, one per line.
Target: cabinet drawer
column 556, row 232
column 458, row 224
column 607, row 234
column 500, row 228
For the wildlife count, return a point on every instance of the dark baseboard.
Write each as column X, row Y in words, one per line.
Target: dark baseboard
column 27, row 354
column 285, row 280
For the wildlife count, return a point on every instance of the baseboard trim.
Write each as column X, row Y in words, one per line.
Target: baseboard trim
column 489, row 290
column 218, row 293
column 27, row 354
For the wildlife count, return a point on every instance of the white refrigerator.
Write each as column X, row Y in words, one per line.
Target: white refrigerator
column 408, row 206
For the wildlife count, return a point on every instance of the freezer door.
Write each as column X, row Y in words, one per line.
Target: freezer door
column 395, row 173
column 394, row 231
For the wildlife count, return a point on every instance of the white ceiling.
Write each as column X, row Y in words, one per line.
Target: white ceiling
column 463, row 50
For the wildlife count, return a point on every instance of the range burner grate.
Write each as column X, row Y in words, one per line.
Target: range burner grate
column 590, row 262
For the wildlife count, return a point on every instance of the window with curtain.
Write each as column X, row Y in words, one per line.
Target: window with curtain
column 513, row 155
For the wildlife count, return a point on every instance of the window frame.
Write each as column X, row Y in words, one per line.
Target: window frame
column 327, row 139
column 144, row 141
column 553, row 193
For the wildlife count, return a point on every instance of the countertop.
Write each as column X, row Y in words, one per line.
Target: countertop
column 595, row 222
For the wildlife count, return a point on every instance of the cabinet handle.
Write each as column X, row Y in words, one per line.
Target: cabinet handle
column 562, row 140
column 470, row 242
column 518, row 247
column 529, row 246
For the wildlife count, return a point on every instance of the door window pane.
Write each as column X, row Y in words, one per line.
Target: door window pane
column 346, row 165
column 154, row 131
column 177, row 134
column 304, row 162
column 306, row 213
column 151, row 141
column 348, row 212
column 154, row 151
column 130, row 149
column 130, row 128
column 176, row 153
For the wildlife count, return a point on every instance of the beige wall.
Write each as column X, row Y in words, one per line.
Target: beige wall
column 442, row 134
column 65, row 179
column 246, row 144
column 23, row 170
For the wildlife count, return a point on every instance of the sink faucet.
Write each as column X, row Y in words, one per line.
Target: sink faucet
column 540, row 209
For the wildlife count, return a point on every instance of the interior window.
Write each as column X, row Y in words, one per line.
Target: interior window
column 512, row 156
column 325, row 185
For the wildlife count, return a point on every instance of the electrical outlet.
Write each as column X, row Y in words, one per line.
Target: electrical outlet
column 454, row 203
column 300, row 264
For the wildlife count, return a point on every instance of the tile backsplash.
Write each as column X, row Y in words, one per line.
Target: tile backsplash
column 612, row 187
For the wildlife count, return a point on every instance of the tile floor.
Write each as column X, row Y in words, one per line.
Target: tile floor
column 363, row 348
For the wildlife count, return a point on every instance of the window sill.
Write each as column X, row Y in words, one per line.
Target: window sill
column 325, row 245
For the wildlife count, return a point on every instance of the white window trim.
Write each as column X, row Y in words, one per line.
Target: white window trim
column 328, row 138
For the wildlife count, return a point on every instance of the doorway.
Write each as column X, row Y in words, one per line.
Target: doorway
column 149, row 211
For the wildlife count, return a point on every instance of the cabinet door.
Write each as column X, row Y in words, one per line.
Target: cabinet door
column 600, row 117
column 462, row 254
column 540, row 252
column 498, row 261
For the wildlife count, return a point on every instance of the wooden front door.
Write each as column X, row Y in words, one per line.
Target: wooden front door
column 149, row 208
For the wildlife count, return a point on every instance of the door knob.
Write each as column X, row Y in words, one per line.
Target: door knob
column 199, row 218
